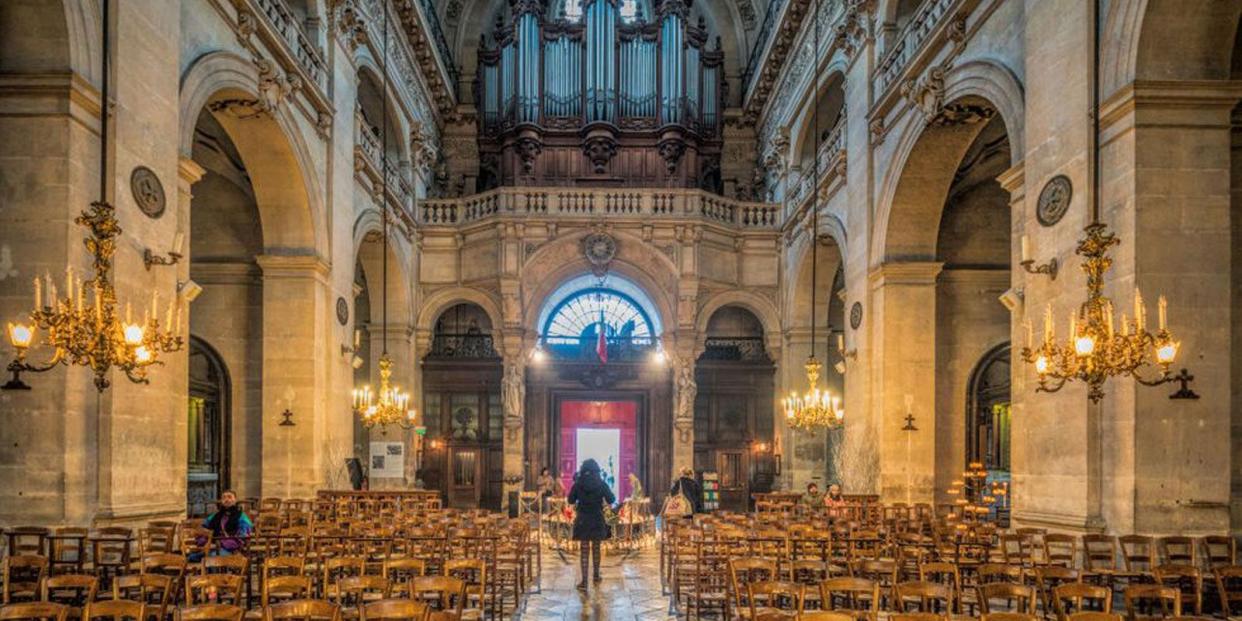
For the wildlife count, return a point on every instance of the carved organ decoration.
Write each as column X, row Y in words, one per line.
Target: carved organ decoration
column 601, row 99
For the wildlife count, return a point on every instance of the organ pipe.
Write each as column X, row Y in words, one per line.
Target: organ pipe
column 600, row 69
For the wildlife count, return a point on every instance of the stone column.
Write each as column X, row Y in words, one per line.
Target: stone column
column 295, row 294
column 904, row 295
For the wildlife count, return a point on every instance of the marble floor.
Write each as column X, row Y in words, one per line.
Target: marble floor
column 630, row 590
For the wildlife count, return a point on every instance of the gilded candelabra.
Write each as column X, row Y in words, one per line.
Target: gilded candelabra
column 84, row 327
column 1098, row 346
column 815, row 408
column 390, row 406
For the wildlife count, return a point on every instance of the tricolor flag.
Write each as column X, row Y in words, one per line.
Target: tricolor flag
column 601, row 346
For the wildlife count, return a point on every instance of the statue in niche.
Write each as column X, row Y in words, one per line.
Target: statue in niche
column 687, row 389
column 513, row 387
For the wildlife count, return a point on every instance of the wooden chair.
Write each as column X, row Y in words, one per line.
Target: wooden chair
column 1138, row 556
column 1229, row 588
column 27, row 540
column 196, row 541
column 68, row 550
column 34, row 611
column 859, row 597
column 946, row 574
column 73, row 590
column 304, row 610
column 1219, row 551
column 744, row 572
column 911, row 616
column 401, row 571
column 154, row 591
column 883, row 572
column 1009, row 616
column 114, row 610
column 1049, row 577
column 473, row 572
column 1021, row 594
column 337, row 569
column 210, row 612
column 1061, row 549
column 444, row 595
column 279, row 589
column 927, row 596
column 1096, row 616
column 1080, row 598
column 395, row 610
column 233, row 565
column 773, row 600
column 353, row 592
column 829, row 615
column 1187, row 579
column 157, row 540
column 1168, row 599
column 23, row 577
column 213, row 589
column 1178, row 550
column 111, row 551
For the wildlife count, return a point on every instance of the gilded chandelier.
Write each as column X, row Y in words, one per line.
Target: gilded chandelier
column 390, row 406
column 1097, row 345
column 84, row 327
column 814, row 408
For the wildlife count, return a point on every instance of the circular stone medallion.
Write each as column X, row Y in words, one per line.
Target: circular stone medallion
column 1054, row 200
column 856, row 315
column 342, row 311
column 148, row 191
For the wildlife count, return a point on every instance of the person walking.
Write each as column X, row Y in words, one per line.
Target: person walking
column 589, row 495
column 688, row 487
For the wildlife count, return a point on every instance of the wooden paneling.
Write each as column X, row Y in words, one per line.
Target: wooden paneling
column 732, row 410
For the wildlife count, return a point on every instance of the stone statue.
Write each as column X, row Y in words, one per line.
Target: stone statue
column 513, row 387
column 687, row 389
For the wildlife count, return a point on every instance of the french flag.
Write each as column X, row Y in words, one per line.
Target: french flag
column 601, row 346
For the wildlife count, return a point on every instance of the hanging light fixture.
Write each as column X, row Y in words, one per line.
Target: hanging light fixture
column 1098, row 345
column 390, row 406
column 815, row 408
column 85, row 326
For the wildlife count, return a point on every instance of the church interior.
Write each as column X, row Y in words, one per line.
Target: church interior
column 620, row 309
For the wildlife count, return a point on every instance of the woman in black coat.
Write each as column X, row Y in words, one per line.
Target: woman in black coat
column 589, row 494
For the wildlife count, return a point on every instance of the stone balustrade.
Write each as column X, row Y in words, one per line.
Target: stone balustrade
column 910, row 41
column 304, row 52
column 637, row 204
column 368, row 160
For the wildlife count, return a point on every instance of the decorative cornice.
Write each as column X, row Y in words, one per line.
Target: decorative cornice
column 438, row 71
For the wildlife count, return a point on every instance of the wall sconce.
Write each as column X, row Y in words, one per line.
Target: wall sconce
column 171, row 258
column 287, row 421
column 346, row 350
column 850, row 354
column 1028, row 264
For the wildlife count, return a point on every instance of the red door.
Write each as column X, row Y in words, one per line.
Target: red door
column 620, row 415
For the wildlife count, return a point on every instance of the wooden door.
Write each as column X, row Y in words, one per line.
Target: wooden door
column 734, row 471
column 465, row 480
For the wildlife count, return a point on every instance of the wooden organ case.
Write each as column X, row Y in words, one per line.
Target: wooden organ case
column 601, row 101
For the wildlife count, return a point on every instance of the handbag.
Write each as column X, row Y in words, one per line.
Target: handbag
column 676, row 506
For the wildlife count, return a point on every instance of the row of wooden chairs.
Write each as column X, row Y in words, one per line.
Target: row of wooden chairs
column 297, row 610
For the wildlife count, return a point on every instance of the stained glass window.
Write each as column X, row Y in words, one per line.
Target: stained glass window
column 578, row 317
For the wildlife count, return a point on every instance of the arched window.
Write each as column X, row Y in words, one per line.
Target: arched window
column 578, row 317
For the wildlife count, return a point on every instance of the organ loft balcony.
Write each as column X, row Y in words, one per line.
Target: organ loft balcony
column 600, row 94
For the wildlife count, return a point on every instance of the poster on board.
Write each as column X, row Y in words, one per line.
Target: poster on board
column 387, row 460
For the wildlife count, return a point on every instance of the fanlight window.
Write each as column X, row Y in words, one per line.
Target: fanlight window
column 579, row 316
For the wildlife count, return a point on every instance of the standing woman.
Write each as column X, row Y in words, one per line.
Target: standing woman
column 589, row 494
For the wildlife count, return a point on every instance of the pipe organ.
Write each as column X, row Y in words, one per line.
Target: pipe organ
column 600, row 101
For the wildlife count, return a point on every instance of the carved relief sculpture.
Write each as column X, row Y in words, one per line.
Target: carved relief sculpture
column 513, row 388
column 687, row 390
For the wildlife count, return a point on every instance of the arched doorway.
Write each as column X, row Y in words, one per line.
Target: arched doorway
column 599, row 385
column 463, row 410
column 208, row 419
column 733, row 409
column 987, row 413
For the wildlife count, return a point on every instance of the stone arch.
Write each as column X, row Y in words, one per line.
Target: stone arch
column 435, row 304
column 798, row 260
column 637, row 261
column 804, row 112
column 759, row 306
column 369, row 254
column 398, row 113
column 281, row 168
column 914, row 187
column 1166, row 40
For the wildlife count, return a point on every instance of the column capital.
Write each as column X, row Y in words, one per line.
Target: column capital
column 905, row 273
column 1013, row 180
column 189, row 171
